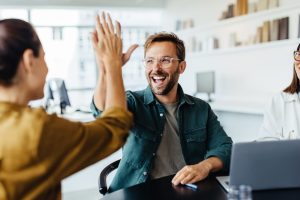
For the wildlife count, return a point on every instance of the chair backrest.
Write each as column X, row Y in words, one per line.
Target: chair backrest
column 102, row 183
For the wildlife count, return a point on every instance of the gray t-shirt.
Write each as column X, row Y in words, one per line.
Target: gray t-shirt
column 169, row 159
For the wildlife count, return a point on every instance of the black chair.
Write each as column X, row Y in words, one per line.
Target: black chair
column 103, row 175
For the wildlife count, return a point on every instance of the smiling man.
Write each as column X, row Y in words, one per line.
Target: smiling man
column 173, row 133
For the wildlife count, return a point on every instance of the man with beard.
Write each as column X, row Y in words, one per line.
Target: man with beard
column 173, row 133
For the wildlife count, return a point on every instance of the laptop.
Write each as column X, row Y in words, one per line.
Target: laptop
column 264, row 165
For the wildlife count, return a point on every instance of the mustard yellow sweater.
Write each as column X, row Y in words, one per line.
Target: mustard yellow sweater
column 38, row 150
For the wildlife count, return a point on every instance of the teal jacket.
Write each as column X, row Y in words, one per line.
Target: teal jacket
column 201, row 135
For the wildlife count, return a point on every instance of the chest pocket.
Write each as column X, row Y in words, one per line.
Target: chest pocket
column 196, row 135
column 196, row 143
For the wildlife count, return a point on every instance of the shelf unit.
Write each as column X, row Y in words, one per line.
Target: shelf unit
column 275, row 12
column 244, row 26
column 252, row 73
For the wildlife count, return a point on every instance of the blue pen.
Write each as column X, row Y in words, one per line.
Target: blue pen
column 190, row 185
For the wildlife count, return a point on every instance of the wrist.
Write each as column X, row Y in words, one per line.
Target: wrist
column 208, row 165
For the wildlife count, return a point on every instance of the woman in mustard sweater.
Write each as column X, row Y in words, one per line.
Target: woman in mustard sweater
column 38, row 150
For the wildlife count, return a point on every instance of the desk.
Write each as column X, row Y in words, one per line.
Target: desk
column 162, row 189
column 79, row 116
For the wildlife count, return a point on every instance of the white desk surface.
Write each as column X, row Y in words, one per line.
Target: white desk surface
column 79, row 116
column 256, row 108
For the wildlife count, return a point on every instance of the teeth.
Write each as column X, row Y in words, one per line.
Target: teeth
column 158, row 77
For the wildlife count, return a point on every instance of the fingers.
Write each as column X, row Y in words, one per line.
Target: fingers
column 111, row 26
column 178, row 177
column 187, row 178
column 99, row 27
column 127, row 55
column 131, row 49
column 118, row 27
column 105, row 26
column 106, row 29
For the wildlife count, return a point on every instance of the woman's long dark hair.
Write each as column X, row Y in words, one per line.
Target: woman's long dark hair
column 294, row 86
column 15, row 37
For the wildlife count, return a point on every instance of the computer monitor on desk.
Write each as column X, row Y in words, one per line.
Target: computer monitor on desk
column 56, row 91
column 205, row 83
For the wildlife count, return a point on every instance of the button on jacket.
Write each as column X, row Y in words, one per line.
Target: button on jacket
column 201, row 135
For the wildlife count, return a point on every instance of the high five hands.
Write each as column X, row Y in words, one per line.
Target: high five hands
column 106, row 39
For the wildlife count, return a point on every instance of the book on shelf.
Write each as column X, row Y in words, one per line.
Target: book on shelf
column 273, row 4
column 212, row 43
column 283, row 28
column 266, row 31
column 241, row 7
column 262, row 5
column 258, row 36
column 230, row 12
column 274, row 31
column 252, row 7
column 224, row 15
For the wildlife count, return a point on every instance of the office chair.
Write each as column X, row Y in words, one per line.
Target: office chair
column 103, row 175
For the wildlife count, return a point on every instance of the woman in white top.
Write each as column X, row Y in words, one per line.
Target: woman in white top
column 282, row 118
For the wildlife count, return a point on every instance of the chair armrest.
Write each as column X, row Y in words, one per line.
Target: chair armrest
column 103, row 175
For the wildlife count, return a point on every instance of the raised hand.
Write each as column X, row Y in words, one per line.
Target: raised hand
column 107, row 42
column 95, row 40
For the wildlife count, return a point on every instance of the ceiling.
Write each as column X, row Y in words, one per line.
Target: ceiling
column 85, row 3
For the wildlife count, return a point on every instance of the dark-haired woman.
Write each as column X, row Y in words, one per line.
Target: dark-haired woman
column 38, row 150
column 282, row 119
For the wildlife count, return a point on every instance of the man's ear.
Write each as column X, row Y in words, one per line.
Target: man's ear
column 28, row 60
column 182, row 66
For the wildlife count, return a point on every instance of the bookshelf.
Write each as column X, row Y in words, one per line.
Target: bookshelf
column 200, row 38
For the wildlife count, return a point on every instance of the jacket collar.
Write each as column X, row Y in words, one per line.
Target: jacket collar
column 288, row 97
column 150, row 98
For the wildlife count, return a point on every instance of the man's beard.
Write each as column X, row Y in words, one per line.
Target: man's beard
column 173, row 80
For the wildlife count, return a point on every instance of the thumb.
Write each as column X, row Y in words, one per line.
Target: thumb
column 127, row 55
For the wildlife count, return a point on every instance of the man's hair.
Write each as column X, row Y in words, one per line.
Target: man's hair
column 166, row 37
column 294, row 85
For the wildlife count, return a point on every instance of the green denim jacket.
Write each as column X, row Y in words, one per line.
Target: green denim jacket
column 201, row 135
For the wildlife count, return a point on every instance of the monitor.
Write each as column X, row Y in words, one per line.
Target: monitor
column 205, row 83
column 57, row 91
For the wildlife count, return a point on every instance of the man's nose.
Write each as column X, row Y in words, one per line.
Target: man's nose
column 157, row 65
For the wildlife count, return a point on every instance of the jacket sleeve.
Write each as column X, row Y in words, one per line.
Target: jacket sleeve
column 219, row 144
column 66, row 147
column 130, row 105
